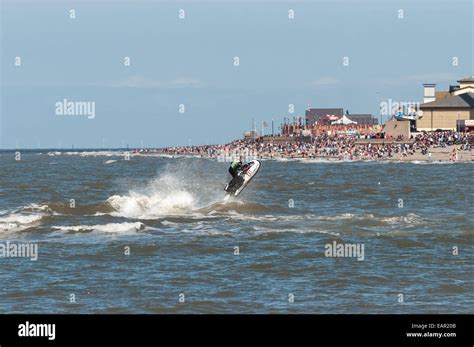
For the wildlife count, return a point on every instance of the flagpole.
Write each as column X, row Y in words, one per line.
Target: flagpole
column 272, row 129
column 251, row 129
column 262, row 128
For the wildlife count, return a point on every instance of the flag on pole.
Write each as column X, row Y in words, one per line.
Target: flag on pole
column 265, row 124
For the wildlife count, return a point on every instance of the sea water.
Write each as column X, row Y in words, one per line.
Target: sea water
column 154, row 235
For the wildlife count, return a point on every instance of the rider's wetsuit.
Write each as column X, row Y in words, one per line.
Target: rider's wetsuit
column 235, row 167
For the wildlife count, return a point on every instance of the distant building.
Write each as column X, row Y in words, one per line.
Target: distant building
column 429, row 90
column 314, row 115
column 250, row 135
column 446, row 109
column 466, row 85
column 363, row 118
column 398, row 127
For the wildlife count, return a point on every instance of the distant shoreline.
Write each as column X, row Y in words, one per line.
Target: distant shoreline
column 443, row 155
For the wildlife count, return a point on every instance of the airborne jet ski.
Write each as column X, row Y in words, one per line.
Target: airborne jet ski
column 243, row 177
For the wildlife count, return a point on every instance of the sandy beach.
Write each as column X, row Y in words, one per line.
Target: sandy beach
column 337, row 150
column 437, row 155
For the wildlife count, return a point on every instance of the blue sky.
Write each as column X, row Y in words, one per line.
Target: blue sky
column 191, row 61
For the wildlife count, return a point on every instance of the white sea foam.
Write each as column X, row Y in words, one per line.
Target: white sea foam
column 263, row 231
column 345, row 216
column 36, row 208
column 19, row 221
column 120, row 228
column 410, row 219
column 100, row 153
column 90, row 153
column 20, row 218
column 181, row 188
column 24, row 217
column 174, row 192
column 136, row 205
column 432, row 162
column 323, row 160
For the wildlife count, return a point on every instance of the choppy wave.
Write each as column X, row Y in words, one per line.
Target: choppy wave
column 410, row 219
column 23, row 218
column 19, row 221
column 61, row 208
column 346, row 216
column 239, row 206
column 264, row 230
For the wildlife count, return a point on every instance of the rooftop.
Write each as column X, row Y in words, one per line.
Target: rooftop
column 467, row 79
column 452, row 101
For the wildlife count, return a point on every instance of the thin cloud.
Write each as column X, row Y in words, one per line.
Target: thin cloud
column 144, row 83
column 435, row 77
column 421, row 78
column 325, row 81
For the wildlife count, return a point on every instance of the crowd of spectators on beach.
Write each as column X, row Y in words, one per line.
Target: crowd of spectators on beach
column 335, row 146
column 442, row 138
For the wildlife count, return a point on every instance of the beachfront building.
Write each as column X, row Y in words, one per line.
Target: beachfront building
column 363, row 118
column 316, row 115
column 447, row 110
column 466, row 85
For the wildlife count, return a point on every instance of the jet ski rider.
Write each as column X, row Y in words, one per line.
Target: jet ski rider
column 236, row 166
